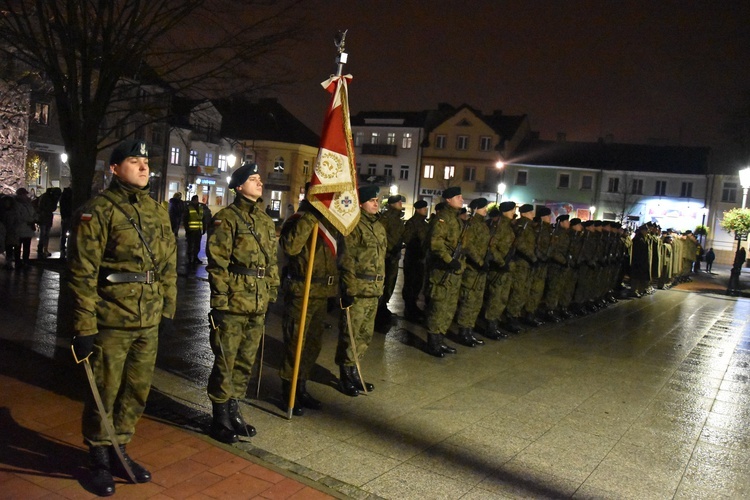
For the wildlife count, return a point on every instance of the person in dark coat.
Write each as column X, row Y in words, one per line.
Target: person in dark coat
column 710, row 258
column 46, row 214
column 176, row 212
column 640, row 269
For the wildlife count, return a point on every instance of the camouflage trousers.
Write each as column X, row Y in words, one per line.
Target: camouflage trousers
column 123, row 365
column 413, row 281
column 311, row 338
column 569, row 287
column 586, row 284
column 470, row 297
column 537, row 281
column 234, row 344
column 519, row 289
column 443, row 294
column 389, row 282
column 557, row 276
column 496, row 295
column 362, row 313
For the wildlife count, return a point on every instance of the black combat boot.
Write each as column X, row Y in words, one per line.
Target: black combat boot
column 286, row 389
column 493, row 332
column 239, row 425
column 511, row 324
column 139, row 472
column 551, row 317
column 465, row 337
column 445, row 347
column 358, row 381
column 102, row 482
column 221, row 427
column 474, row 338
column 346, row 381
column 530, row 320
column 434, row 345
column 305, row 398
column 565, row 313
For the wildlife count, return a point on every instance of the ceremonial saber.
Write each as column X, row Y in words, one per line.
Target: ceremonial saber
column 104, row 416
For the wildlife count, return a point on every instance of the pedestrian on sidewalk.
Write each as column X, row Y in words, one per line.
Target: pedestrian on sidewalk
column 122, row 261
column 195, row 228
column 244, row 279
column 26, row 219
column 710, row 258
column 46, row 215
column 176, row 212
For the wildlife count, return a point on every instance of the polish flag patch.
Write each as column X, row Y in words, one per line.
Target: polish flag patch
column 86, row 217
column 217, row 222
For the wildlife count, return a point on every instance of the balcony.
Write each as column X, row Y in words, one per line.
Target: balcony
column 277, row 177
column 379, row 149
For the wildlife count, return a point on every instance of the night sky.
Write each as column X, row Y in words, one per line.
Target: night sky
column 640, row 70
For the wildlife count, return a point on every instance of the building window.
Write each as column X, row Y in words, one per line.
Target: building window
column 406, row 141
column 403, row 174
column 174, row 156
column 587, row 182
column 359, row 137
column 429, row 171
column 449, row 171
column 462, row 142
column 636, row 186
column 563, row 181
column 522, row 177
column 278, row 164
column 193, row 158
column 306, row 168
column 221, row 163
column 485, row 143
column 209, row 160
column 374, row 137
column 729, row 192
column 156, row 136
column 440, row 141
column 371, row 169
column 686, row 191
column 470, row 173
column 388, row 171
column 661, row 188
column 613, row 185
column 41, row 113
column 391, row 138
column 219, row 197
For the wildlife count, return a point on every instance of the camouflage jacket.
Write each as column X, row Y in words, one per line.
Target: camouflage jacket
column 501, row 242
column 104, row 242
column 242, row 240
column 476, row 240
column 295, row 243
column 560, row 247
column 543, row 240
column 394, row 231
column 362, row 261
column 415, row 237
column 444, row 239
column 525, row 239
column 575, row 248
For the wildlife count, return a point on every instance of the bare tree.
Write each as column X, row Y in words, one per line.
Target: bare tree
column 622, row 200
column 96, row 54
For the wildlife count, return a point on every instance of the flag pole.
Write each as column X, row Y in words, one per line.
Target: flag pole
column 303, row 315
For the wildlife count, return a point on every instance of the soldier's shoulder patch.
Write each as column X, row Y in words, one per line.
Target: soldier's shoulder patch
column 441, row 220
column 85, row 217
column 217, row 222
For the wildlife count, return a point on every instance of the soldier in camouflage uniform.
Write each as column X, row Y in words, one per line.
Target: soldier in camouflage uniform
column 393, row 224
column 295, row 243
column 577, row 240
column 538, row 273
column 524, row 257
column 558, row 268
column 122, row 262
column 445, row 264
column 415, row 241
column 362, row 268
column 500, row 258
column 244, row 278
column 474, row 278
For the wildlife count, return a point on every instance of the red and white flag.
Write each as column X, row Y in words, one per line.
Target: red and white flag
column 333, row 187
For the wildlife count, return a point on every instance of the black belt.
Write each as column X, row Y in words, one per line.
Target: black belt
column 258, row 272
column 148, row 277
column 327, row 280
column 371, row 277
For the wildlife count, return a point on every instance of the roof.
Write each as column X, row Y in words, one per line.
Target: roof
column 413, row 119
column 264, row 120
column 615, row 156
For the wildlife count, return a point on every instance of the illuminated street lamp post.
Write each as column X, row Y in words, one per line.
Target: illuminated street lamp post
column 745, row 183
column 499, row 193
column 734, row 278
column 231, row 160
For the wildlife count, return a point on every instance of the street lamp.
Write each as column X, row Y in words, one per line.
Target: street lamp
column 745, row 183
column 64, row 157
column 592, row 210
column 734, row 276
column 231, row 160
column 500, row 192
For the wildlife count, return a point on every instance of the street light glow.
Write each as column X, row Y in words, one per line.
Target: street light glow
column 501, row 188
column 745, row 178
column 394, row 189
column 499, row 165
column 64, row 157
column 592, row 209
column 231, row 160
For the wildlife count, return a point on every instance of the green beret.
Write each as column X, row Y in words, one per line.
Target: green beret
column 563, row 217
column 543, row 211
column 369, row 192
column 240, row 175
column 451, row 192
column 575, row 221
column 395, row 199
column 128, row 148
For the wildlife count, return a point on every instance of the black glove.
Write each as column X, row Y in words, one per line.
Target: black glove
column 216, row 317
column 346, row 301
column 166, row 326
column 454, row 265
column 83, row 346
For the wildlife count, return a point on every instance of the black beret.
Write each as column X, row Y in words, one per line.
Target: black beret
column 542, row 211
column 575, row 221
column 643, row 227
column 562, row 218
column 494, row 212
column 507, row 206
column 366, row 193
column 440, row 206
column 478, row 203
column 462, row 211
column 587, row 223
column 395, row 199
column 525, row 208
column 451, row 192
column 240, row 175
column 128, row 148
column 420, row 204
